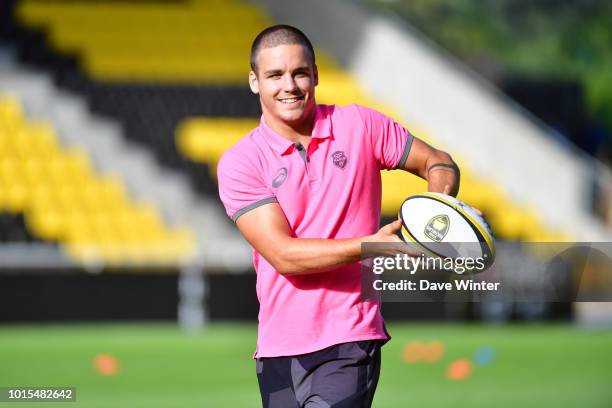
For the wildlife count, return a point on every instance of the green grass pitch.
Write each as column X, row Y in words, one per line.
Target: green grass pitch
column 161, row 366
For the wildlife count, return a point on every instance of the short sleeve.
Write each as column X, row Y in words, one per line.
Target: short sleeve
column 241, row 188
column 391, row 142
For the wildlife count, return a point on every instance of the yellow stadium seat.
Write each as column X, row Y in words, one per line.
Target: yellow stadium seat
column 64, row 200
column 206, row 139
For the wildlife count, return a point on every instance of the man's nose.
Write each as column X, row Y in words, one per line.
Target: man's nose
column 289, row 84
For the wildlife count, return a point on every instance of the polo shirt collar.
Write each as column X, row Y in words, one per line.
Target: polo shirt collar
column 282, row 145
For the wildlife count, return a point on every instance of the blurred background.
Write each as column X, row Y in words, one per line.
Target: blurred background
column 120, row 273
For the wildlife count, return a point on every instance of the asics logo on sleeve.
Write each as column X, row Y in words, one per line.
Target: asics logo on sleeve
column 281, row 176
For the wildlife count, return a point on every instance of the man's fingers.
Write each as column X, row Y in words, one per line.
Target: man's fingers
column 397, row 224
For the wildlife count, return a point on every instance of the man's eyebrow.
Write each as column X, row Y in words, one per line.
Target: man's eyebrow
column 280, row 71
column 273, row 71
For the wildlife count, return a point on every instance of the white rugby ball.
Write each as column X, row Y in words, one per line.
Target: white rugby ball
column 444, row 226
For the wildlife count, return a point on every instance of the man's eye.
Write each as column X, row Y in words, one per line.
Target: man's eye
column 274, row 76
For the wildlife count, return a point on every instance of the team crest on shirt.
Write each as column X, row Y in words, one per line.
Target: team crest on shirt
column 281, row 176
column 339, row 159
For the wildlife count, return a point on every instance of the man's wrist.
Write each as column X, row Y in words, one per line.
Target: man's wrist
column 367, row 239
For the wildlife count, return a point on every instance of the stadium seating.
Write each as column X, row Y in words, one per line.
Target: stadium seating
column 174, row 41
column 179, row 68
column 63, row 199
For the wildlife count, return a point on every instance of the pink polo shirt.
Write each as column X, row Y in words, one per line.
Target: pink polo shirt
column 332, row 190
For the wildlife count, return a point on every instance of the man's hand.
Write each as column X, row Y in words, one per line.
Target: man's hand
column 393, row 244
column 388, row 233
column 447, row 190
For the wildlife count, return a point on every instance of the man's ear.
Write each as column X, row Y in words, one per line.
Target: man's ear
column 253, row 82
column 316, row 75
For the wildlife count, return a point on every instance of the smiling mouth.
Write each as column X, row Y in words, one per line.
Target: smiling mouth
column 289, row 101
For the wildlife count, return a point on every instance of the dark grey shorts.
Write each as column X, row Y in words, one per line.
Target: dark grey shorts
column 341, row 376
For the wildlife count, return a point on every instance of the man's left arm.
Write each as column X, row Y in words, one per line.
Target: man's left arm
column 435, row 166
column 391, row 143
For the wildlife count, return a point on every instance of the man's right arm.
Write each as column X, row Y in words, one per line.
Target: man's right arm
column 266, row 229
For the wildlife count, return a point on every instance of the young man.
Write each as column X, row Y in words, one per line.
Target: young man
column 304, row 189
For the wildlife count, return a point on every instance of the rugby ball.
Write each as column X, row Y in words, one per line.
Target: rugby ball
column 443, row 226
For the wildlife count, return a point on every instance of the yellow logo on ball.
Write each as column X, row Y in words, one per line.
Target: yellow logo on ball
column 437, row 228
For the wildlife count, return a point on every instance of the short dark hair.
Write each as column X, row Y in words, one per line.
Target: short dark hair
column 281, row 34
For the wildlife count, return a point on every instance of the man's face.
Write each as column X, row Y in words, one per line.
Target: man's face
column 285, row 81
